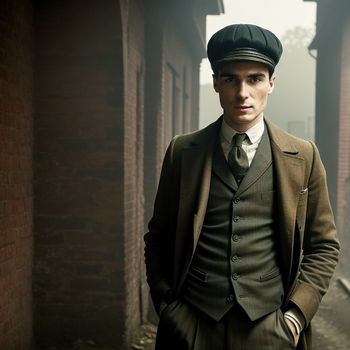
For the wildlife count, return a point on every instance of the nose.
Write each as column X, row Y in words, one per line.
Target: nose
column 243, row 92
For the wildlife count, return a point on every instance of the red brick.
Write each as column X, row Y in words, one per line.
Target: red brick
column 78, row 165
column 15, row 154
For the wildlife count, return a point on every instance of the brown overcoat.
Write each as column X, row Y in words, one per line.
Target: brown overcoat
column 308, row 243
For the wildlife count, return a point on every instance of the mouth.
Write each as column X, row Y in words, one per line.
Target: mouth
column 243, row 107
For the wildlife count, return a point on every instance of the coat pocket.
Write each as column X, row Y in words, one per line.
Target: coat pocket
column 270, row 275
column 198, row 274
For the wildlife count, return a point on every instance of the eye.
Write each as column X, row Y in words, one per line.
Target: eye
column 228, row 80
column 231, row 80
column 255, row 79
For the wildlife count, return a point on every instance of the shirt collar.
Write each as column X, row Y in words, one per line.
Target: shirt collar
column 254, row 133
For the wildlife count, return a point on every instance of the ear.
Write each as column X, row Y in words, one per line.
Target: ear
column 215, row 82
column 272, row 83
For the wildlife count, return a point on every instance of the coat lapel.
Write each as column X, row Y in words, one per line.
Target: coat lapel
column 222, row 169
column 289, row 170
column 196, row 167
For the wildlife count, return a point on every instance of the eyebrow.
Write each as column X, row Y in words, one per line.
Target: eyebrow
column 252, row 75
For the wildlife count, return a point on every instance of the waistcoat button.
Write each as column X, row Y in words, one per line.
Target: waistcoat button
column 236, row 218
column 230, row 298
column 235, row 276
column 235, row 238
column 234, row 258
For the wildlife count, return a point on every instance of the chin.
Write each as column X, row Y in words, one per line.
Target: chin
column 244, row 119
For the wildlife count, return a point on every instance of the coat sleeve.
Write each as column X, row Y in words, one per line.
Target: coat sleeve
column 158, row 239
column 320, row 246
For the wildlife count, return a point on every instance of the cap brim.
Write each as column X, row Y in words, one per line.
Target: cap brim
column 247, row 55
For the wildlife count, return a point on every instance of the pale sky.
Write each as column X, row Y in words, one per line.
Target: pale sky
column 275, row 15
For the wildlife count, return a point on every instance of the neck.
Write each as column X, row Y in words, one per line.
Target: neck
column 244, row 126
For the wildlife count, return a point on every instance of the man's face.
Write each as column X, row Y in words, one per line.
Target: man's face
column 243, row 88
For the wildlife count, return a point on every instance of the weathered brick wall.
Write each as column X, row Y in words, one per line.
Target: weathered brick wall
column 99, row 141
column 79, row 285
column 136, row 290
column 179, row 56
column 344, row 139
column 153, row 111
column 16, row 175
column 154, row 95
column 165, row 48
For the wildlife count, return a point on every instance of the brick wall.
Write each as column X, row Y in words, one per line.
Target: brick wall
column 166, row 49
column 92, row 139
column 15, row 175
column 344, row 138
column 154, row 95
column 328, row 72
column 136, row 290
column 94, row 150
column 79, row 285
column 167, row 52
column 179, row 56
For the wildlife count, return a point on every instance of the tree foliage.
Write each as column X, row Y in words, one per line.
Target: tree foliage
column 297, row 37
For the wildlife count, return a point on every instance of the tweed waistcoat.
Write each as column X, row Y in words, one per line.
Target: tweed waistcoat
column 236, row 258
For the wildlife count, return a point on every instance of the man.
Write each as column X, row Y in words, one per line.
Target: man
column 242, row 243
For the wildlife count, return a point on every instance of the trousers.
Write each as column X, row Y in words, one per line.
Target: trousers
column 183, row 327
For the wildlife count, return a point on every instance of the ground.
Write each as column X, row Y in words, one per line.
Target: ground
column 331, row 323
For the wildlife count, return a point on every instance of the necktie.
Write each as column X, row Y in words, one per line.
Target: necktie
column 237, row 158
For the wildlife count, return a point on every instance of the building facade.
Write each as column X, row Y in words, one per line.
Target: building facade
column 92, row 92
column 332, row 129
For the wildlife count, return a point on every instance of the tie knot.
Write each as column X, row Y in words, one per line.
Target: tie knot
column 238, row 139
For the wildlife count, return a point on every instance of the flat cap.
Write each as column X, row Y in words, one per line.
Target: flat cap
column 244, row 42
